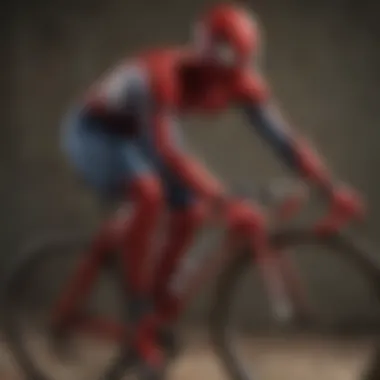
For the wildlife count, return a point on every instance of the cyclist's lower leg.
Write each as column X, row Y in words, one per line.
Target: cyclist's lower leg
column 147, row 198
column 182, row 227
column 82, row 281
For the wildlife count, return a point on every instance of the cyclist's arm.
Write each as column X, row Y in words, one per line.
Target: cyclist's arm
column 192, row 172
column 295, row 151
column 184, row 165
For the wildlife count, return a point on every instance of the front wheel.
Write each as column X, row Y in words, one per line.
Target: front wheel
column 345, row 276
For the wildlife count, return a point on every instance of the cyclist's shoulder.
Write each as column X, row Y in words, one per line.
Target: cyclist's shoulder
column 250, row 84
column 162, row 63
column 162, row 67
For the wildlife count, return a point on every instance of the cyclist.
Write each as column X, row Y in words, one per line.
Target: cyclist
column 123, row 138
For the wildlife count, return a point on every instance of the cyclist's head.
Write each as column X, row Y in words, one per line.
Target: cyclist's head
column 227, row 35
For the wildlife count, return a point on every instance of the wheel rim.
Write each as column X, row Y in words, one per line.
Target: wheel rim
column 233, row 352
column 26, row 323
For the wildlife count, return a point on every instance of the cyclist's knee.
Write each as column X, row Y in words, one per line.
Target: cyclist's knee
column 147, row 192
column 243, row 217
column 195, row 213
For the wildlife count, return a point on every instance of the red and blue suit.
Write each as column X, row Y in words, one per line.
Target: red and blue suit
column 124, row 138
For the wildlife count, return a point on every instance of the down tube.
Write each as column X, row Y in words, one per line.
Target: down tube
column 196, row 269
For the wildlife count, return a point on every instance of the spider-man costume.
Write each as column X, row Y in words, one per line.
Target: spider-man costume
column 124, row 139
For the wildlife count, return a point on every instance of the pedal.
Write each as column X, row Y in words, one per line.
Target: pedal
column 124, row 364
column 169, row 342
column 62, row 340
column 62, row 344
column 146, row 372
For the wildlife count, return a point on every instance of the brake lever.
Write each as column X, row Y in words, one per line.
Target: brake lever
column 335, row 222
column 329, row 225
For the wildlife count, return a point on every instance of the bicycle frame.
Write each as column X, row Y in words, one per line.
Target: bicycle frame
column 82, row 282
column 80, row 285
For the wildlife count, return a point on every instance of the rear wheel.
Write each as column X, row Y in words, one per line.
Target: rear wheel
column 30, row 289
column 348, row 266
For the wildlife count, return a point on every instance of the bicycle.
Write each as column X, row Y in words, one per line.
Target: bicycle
column 285, row 291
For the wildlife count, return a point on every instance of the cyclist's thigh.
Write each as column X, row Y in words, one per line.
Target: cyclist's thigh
column 106, row 162
column 178, row 194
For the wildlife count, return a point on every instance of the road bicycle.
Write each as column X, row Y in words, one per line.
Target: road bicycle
column 71, row 321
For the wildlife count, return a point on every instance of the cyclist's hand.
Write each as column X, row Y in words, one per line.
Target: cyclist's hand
column 346, row 203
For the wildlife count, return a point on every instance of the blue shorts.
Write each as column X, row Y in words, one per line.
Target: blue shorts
column 108, row 162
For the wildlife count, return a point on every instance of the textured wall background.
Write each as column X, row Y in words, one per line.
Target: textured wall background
column 322, row 59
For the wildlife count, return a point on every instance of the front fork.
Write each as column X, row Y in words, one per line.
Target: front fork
column 284, row 285
column 275, row 285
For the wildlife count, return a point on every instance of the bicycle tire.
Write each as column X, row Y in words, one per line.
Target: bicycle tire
column 34, row 253
column 228, row 284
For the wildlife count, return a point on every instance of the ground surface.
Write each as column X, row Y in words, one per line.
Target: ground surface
column 274, row 359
